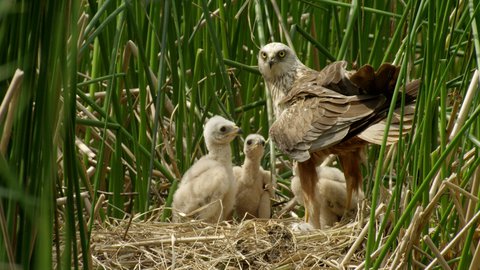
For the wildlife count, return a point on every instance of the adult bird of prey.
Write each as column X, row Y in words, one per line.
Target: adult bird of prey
column 207, row 190
column 330, row 195
column 332, row 111
column 254, row 184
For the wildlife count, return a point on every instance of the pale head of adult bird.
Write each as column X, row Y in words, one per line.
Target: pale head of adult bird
column 326, row 112
column 277, row 60
column 279, row 66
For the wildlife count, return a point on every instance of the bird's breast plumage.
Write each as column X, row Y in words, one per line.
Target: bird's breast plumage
column 281, row 85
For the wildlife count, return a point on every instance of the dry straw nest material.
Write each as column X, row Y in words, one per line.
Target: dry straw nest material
column 251, row 244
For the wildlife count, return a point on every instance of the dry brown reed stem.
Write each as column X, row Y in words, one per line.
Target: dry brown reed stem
column 456, row 188
column 453, row 115
column 386, row 164
column 361, row 237
column 91, row 116
column 87, row 205
column 476, row 258
column 413, row 231
column 130, row 48
column 213, row 14
column 63, row 200
column 110, row 134
column 171, row 240
column 456, row 12
column 84, row 149
column 408, row 240
column 468, row 159
column 455, row 239
column 283, row 27
column 455, row 192
column 423, row 252
column 462, row 117
column 12, row 90
column 7, row 108
column 456, row 201
column 433, row 202
column 472, row 203
column 102, row 94
column 418, row 264
column 6, row 237
column 374, row 255
column 98, row 205
column 392, row 152
column 466, row 104
column 288, row 207
column 82, row 24
column 443, row 263
column 170, row 149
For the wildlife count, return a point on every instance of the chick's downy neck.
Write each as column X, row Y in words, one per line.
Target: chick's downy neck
column 220, row 152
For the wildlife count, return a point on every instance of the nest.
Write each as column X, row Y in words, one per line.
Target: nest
column 251, row 244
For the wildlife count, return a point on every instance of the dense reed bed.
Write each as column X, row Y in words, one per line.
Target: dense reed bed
column 103, row 102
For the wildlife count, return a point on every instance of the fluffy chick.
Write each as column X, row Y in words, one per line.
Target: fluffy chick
column 330, row 197
column 207, row 190
column 254, row 186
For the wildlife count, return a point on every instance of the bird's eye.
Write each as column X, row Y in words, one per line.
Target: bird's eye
column 249, row 142
column 263, row 55
column 282, row 54
column 223, row 129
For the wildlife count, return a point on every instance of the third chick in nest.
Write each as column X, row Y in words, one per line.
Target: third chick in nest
column 330, row 197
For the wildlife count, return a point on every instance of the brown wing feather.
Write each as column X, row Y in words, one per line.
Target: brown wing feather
column 312, row 83
column 317, row 122
column 374, row 133
column 337, row 78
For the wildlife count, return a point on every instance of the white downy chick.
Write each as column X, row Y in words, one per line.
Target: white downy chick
column 207, row 190
column 254, row 187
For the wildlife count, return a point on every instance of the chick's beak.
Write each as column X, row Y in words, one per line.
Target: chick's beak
column 237, row 131
column 259, row 143
column 256, row 146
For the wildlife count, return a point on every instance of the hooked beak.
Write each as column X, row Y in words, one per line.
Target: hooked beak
column 271, row 62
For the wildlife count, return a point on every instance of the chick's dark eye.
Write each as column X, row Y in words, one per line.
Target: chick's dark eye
column 249, row 142
column 223, row 129
column 282, row 54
